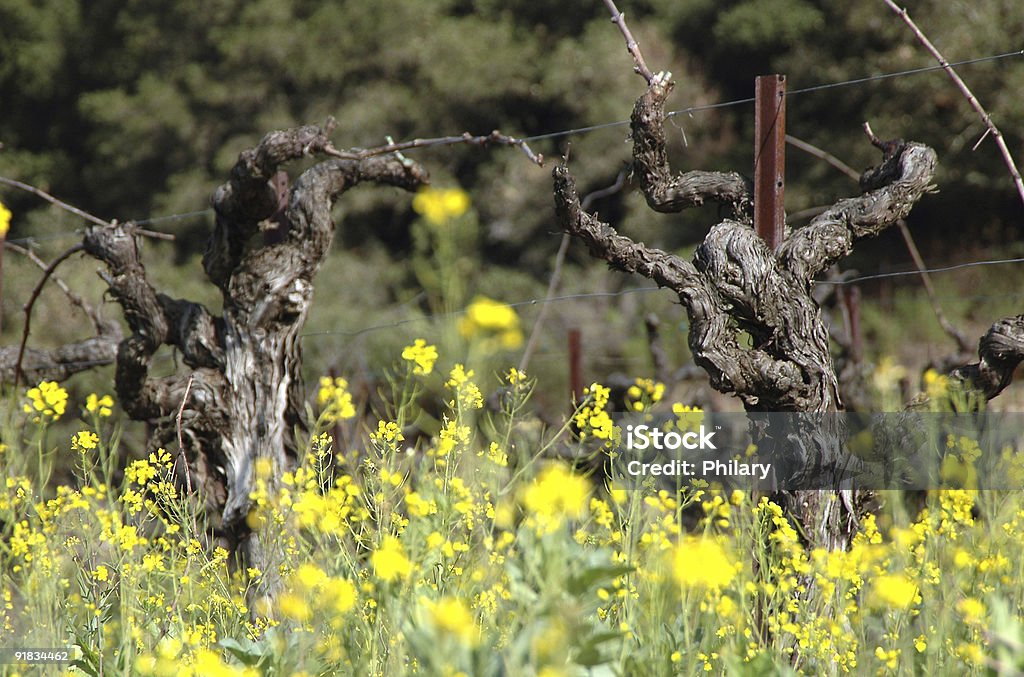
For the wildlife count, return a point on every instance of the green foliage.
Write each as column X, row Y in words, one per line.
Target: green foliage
column 764, row 24
column 477, row 553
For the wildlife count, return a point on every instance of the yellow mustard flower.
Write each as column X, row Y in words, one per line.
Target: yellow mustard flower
column 515, row 376
column 48, row 401
column 335, row 400
column 439, row 205
column 389, row 561
column 341, row 594
column 452, row 618
column 467, row 393
column 5, row 220
column 894, row 591
column 592, row 419
column 890, row 658
column 555, row 495
column 972, row 610
column 96, row 404
column 936, row 385
column 421, row 356
column 84, row 441
column 702, row 562
column 387, row 432
column 495, row 323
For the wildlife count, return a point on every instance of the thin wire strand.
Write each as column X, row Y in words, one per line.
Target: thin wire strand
column 608, row 125
column 460, row 313
column 904, row 273
column 174, row 217
column 793, row 92
column 644, row 290
column 620, row 123
column 546, row 355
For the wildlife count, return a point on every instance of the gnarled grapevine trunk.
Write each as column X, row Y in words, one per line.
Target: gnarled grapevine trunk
column 736, row 283
column 244, row 393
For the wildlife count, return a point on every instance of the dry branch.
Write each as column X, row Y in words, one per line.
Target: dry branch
column 619, row 19
column 968, row 94
column 736, row 285
column 556, row 271
column 1000, row 350
column 664, row 191
column 495, row 138
column 908, row 239
column 31, row 304
column 74, row 298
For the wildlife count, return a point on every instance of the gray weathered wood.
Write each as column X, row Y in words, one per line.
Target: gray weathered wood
column 736, row 284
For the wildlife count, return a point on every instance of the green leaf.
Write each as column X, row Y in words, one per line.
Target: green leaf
column 248, row 652
column 586, row 579
column 589, row 651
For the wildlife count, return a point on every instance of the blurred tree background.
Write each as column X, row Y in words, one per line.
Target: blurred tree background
column 136, row 110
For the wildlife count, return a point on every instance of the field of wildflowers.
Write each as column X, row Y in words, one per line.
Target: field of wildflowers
column 478, row 554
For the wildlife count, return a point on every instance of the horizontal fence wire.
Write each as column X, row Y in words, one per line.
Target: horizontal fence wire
column 432, row 317
column 28, row 240
column 451, row 140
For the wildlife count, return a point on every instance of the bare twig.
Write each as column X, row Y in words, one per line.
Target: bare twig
column 908, row 239
column 495, row 138
column 556, row 278
column 32, row 301
column 808, row 213
column 75, row 299
column 872, row 137
column 614, row 188
column 619, row 19
column 155, row 234
column 556, row 273
column 76, row 211
column 965, row 90
column 962, row 342
column 51, row 199
column 181, row 446
column 811, row 149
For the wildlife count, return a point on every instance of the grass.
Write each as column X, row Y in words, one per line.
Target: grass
column 479, row 555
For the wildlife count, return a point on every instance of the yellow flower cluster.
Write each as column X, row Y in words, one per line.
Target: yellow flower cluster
column 467, row 394
column 46, row 402
column 644, row 393
column 493, row 323
column 440, row 205
column 421, row 356
column 592, row 419
column 893, row 591
column 312, row 591
column 387, row 433
column 334, row 400
column 5, row 220
column 556, row 495
column 99, row 405
column 453, row 619
column 390, row 562
column 702, row 562
column 84, row 441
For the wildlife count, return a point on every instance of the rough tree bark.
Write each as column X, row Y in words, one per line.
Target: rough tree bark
column 246, row 395
column 1000, row 352
column 737, row 283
